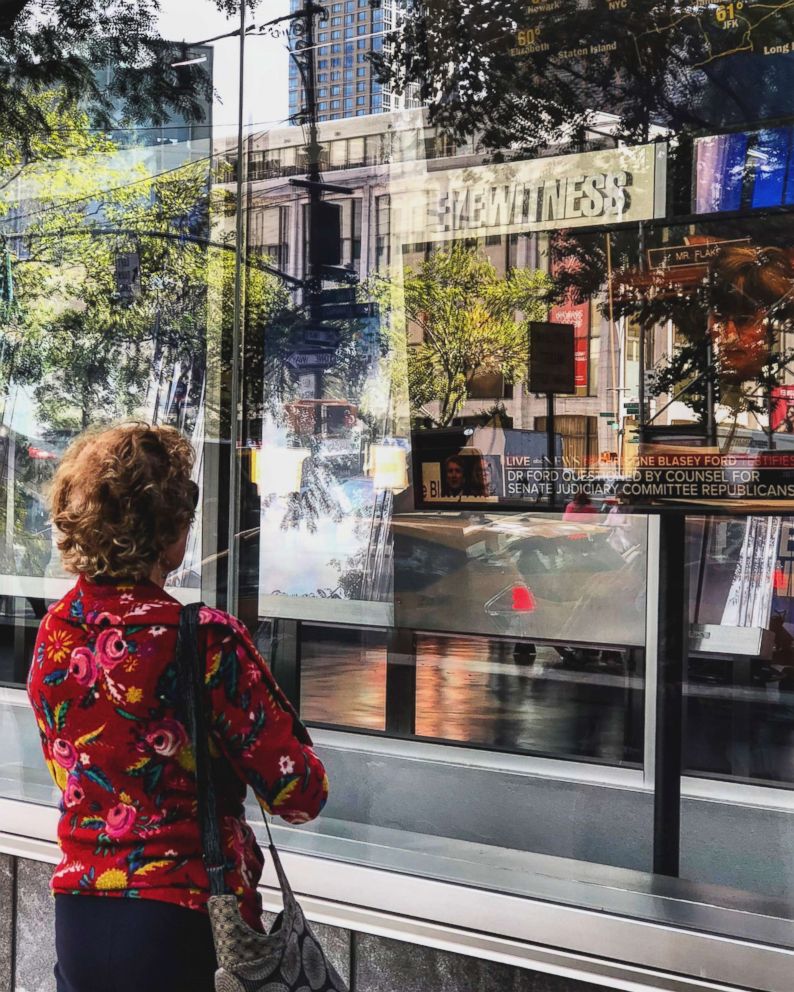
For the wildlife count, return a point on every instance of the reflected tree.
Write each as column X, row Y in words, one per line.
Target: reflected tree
column 524, row 76
column 464, row 319
column 105, row 55
column 85, row 347
column 729, row 319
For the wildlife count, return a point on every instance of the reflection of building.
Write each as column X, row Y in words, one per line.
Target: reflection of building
column 413, row 191
column 178, row 138
column 346, row 83
column 401, row 172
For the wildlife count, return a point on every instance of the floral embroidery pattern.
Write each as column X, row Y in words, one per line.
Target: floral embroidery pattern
column 105, row 693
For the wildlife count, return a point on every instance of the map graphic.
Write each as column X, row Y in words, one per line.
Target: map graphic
column 726, row 29
column 700, row 33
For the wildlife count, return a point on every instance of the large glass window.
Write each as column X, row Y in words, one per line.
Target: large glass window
column 739, row 680
column 449, row 356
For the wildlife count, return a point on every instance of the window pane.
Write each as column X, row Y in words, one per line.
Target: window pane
column 739, row 722
column 542, row 293
column 343, row 679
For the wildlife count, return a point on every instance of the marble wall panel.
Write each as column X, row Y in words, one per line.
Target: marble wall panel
column 6, row 921
column 35, row 928
column 384, row 965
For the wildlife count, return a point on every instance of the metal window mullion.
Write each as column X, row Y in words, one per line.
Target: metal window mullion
column 651, row 650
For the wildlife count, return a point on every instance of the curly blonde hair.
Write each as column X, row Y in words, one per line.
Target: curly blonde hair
column 120, row 497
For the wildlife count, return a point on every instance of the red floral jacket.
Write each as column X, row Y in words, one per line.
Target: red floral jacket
column 103, row 685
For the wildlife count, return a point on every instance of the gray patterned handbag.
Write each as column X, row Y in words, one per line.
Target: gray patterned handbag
column 289, row 958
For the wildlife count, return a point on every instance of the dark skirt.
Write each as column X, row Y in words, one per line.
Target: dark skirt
column 128, row 945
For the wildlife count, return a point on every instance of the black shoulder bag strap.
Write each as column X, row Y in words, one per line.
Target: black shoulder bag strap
column 190, row 672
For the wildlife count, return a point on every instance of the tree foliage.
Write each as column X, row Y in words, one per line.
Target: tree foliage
column 469, row 321
column 523, row 77
column 729, row 325
column 86, row 352
column 107, row 55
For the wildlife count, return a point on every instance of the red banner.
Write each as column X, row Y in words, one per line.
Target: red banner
column 577, row 314
column 782, row 412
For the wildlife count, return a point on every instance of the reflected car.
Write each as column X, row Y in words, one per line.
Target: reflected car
column 520, row 577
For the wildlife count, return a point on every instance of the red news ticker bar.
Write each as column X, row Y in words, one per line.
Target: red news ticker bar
column 760, row 459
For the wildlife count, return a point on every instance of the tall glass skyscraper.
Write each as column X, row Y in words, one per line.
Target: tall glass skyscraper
column 346, row 84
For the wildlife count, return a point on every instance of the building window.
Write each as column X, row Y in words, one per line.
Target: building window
column 376, row 149
column 268, row 234
column 348, row 104
column 382, row 231
column 351, row 231
column 579, row 439
column 355, row 152
column 338, row 155
column 361, row 100
column 336, row 104
column 594, row 349
column 490, row 386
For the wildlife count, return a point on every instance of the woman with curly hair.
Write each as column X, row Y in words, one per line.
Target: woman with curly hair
column 131, row 887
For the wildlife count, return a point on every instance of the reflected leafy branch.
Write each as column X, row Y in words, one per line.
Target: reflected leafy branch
column 464, row 320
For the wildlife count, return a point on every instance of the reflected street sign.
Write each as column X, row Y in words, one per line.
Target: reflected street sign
column 306, row 360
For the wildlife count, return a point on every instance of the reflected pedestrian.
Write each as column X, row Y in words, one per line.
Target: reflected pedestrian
column 131, row 887
column 620, row 524
column 581, row 506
